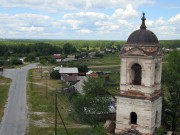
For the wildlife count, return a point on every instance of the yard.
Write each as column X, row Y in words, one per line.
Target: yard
column 41, row 108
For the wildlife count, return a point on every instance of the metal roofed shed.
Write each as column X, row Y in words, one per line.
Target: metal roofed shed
column 73, row 70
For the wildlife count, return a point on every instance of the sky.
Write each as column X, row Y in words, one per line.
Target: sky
column 87, row 19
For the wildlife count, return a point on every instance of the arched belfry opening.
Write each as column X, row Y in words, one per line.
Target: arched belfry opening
column 156, row 118
column 137, row 74
column 133, row 118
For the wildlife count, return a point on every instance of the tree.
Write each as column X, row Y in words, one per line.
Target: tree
column 31, row 57
column 94, row 87
column 100, row 55
column 15, row 61
column 83, row 68
column 92, row 102
column 55, row 74
column 171, row 88
column 69, row 49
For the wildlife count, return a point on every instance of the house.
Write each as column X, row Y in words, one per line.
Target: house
column 92, row 54
column 70, row 71
column 102, row 52
column 56, row 56
column 70, row 58
column 108, row 50
column 92, row 74
column 79, row 85
column 68, row 78
column 22, row 59
column 68, row 74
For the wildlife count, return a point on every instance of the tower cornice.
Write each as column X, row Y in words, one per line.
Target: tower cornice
column 140, row 95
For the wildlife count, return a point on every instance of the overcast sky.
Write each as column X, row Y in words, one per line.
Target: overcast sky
column 87, row 19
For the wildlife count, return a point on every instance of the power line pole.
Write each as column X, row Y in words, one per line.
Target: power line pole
column 46, row 86
column 46, row 73
column 62, row 121
column 57, row 111
column 55, row 128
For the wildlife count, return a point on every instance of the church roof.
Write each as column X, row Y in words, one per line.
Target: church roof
column 142, row 36
column 142, row 42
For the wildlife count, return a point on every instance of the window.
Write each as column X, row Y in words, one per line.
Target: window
column 156, row 73
column 137, row 73
column 133, row 117
column 156, row 117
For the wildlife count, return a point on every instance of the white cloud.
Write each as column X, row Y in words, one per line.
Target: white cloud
column 31, row 29
column 160, row 21
column 89, row 15
column 82, row 21
column 21, row 25
column 129, row 12
column 85, row 31
column 61, row 5
column 175, row 19
column 73, row 23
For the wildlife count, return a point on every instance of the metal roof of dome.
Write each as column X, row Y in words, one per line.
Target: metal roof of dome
column 142, row 36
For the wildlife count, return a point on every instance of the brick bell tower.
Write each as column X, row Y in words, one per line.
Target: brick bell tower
column 139, row 102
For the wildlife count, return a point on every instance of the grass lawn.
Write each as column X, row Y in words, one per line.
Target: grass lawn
column 108, row 60
column 4, row 89
column 41, row 109
column 60, row 131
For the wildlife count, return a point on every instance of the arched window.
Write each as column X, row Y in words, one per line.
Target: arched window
column 156, row 118
column 137, row 73
column 133, row 117
column 156, row 73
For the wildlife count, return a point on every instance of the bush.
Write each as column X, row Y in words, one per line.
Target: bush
column 55, row 74
column 15, row 61
column 83, row 68
column 160, row 131
column 97, row 54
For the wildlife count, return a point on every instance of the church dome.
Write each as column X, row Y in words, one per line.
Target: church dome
column 142, row 36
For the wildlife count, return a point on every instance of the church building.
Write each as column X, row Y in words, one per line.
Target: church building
column 139, row 101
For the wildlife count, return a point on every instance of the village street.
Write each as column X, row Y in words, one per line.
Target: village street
column 14, row 120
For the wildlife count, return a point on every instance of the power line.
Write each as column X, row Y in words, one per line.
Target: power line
column 57, row 110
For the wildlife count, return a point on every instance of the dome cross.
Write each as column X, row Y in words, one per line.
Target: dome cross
column 143, row 25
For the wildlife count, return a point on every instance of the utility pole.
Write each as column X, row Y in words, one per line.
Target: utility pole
column 46, row 86
column 46, row 75
column 57, row 111
column 41, row 72
column 55, row 122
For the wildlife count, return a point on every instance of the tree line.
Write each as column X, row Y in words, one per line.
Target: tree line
column 49, row 47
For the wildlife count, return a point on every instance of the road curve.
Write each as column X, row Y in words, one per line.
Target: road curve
column 15, row 115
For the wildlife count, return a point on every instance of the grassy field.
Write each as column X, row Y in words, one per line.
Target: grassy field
column 107, row 60
column 60, row 131
column 41, row 109
column 4, row 88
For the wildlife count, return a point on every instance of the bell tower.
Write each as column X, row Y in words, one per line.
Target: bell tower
column 139, row 101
